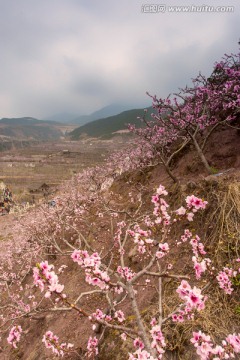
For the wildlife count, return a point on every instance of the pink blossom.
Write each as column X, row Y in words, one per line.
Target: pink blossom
column 43, row 274
column 234, row 341
column 92, row 346
column 119, row 315
column 181, row 211
column 196, row 203
column 200, row 266
column 190, row 216
column 14, row 335
column 123, row 336
column 51, row 341
column 141, row 354
column 125, row 272
column 206, row 350
column 91, row 264
column 161, row 190
column 224, row 279
column 138, row 343
column 193, row 299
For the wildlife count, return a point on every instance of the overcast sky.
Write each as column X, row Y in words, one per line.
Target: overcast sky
column 80, row 55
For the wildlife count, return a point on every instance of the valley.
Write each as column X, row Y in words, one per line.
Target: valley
column 26, row 170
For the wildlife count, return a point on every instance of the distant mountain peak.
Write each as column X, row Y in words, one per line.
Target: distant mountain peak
column 107, row 111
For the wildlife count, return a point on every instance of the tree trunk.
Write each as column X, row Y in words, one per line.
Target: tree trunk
column 168, row 170
column 201, row 155
column 141, row 328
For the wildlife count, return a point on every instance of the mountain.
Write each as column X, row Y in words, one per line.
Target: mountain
column 69, row 118
column 29, row 128
column 64, row 117
column 106, row 127
column 106, row 111
column 23, row 121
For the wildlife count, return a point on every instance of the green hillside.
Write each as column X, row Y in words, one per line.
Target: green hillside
column 106, row 127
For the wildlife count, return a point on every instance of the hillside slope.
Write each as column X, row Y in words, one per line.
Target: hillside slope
column 106, row 127
column 217, row 227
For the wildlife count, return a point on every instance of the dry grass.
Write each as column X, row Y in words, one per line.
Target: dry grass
column 222, row 220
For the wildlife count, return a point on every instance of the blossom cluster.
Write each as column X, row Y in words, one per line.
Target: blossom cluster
column 206, row 350
column 14, row 335
column 43, row 274
column 224, row 279
column 193, row 205
column 125, row 272
column 158, row 342
column 141, row 238
column 141, row 354
column 120, row 226
column 91, row 264
column 200, row 263
column 160, row 206
column 92, row 346
column 99, row 315
column 192, row 296
column 193, row 300
column 51, row 341
column 200, row 266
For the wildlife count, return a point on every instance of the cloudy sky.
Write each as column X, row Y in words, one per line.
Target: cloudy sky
column 80, row 55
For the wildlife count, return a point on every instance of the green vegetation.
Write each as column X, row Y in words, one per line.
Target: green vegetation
column 105, row 128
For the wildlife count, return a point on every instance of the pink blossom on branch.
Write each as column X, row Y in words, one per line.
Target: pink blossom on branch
column 141, row 354
column 208, row 351
column 193, row 301
column 195, row 203
column 224, row 279
column 92, row 346
column 14, row 335
column 44, row 275
column 51, row 341
column 91, row 264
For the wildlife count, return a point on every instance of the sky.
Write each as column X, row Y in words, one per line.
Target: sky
column 78, row 56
